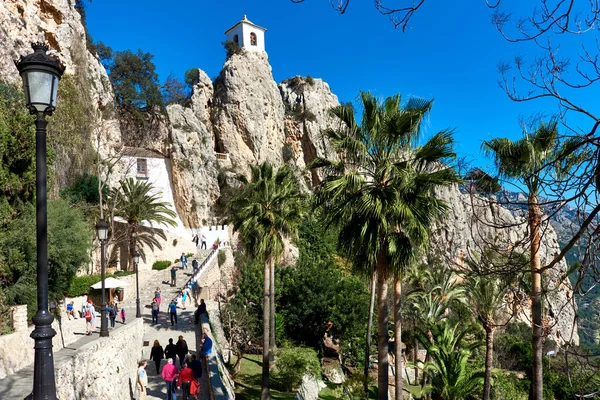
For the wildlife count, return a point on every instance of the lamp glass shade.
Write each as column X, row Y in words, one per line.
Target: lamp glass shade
column 136, row 258
column 40, row 89
column 102, row 230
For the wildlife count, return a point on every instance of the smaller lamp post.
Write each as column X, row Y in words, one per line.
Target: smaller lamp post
column 102, row 231
column 136, row 262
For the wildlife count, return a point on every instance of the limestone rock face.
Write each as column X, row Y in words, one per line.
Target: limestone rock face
column 248, row 111
column 472, row 223
column 58, row 23
column 307, row 103
column 194, row 166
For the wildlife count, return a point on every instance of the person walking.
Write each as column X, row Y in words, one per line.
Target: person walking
column 171, row 350
column 184, row 298
column 195, row 266
column 186, row 376
column 123, row 315
column 173, row 276
column 157, row 354
column 203, row 246
column 112, row 314
column 182, row 350
column 183, row 260
column 157, row 296
column 169, row 374
column 90, row 317
column 195, row 239
column 154, row 306
column 142, row 380
column 195, row 366
column 173, row 312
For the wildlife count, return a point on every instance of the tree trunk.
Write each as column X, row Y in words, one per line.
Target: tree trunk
column 265, row 393
column 272, row 345
column 398, row 336
column 489, row 354
column 382, row 328
column 131, row 247
column 369, row 329
column 536, row 297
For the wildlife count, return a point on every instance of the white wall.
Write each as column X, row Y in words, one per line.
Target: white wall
column 243, row 31
column 159, row 176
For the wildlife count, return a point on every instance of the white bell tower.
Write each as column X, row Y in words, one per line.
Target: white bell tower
column 247, row 35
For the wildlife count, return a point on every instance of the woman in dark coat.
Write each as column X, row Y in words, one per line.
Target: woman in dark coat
column 182, row 350
column 157, row 354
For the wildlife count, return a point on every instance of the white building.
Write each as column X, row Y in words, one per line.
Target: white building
column 247, row 35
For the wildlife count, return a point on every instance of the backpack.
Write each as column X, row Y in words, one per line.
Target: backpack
column 88, row 315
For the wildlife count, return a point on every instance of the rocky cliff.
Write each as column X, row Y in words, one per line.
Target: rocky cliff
column 241, row 118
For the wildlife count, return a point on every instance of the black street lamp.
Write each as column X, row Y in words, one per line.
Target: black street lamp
column 102, row 231
column 40, row 74
column 136, row 262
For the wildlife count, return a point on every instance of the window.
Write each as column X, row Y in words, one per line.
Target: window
column 253, row 38
column 142, row 167
column 236, row 39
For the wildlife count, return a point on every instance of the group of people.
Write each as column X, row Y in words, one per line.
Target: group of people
column 196, row 239
column 88, row 312
column 185, row 378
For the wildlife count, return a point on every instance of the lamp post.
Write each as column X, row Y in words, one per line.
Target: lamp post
column 136, row 262
column 102, row 231
column 40, row 74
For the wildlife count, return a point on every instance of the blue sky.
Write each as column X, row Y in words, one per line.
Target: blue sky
column 450, row 53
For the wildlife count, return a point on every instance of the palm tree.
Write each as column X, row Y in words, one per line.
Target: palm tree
column 134, row 202
column 268, row 209
column 486, row 295
column 449, row 360
column 526, row 160
column 380, row 193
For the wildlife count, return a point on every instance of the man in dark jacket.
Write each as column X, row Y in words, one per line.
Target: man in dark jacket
column 199, row 311
column 170, row 350
column 195, row 366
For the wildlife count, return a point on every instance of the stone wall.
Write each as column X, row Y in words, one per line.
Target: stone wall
column 103, row 369
column 13, row 358
column 221, row 382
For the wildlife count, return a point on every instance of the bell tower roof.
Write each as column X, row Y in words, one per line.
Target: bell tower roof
column 246, row 21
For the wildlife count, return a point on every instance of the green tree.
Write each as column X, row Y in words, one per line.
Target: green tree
column 380, row 193
column 527, row 161
column 192, row 77
column 17, row 152
column 450, row 360
column 173, row 91
column 486, row 294
column 69, row 242
column 268, row 209
column 135, row 203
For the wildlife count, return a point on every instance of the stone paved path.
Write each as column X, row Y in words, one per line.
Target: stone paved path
column 163, row 330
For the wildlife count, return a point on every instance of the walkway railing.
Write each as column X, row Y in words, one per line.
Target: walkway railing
column 205, row 263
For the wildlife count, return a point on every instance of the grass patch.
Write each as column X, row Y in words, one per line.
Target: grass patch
column 248, row 380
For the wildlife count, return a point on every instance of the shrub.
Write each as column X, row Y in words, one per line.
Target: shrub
column 174, row 242
column 124, row 273
column 160, row 265
column 189, row 255
column 509, row 387
column 222, row 257
column 232, row 48
column 288, row 152
column 293, row 362
column 80, row 285
column 310, row 80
